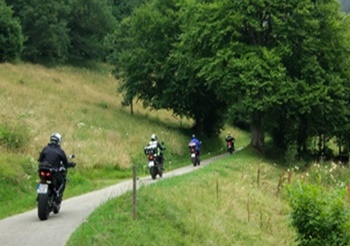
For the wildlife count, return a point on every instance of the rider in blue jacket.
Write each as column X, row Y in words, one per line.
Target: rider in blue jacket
column 197, row 142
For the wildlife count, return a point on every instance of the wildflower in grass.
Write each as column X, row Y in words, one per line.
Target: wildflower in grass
column 81, row 124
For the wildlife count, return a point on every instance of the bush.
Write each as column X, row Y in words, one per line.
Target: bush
column 13, row 136
column 320, row 216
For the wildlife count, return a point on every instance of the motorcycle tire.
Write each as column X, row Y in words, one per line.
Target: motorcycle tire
column 153, row 172
column 194, row 161
column 43, row 206
column 160, row 171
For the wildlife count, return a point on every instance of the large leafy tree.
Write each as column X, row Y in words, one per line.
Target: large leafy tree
column 142, row 54
column 44, row 25
column 278, row 59
column 11, row 37
column 140, row 48
column 314, row 50
column 228, row 43
column 285, row 62
column 89, row 23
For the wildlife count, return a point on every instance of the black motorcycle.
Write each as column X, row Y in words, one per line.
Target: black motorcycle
column 51, row 185
column 154, row 161
column 194, row 154
column 230, row 144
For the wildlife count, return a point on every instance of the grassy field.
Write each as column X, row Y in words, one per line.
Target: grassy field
column 83, row 105
column 233, row 201
column 238, row 200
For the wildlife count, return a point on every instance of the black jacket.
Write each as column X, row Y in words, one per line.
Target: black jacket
column 229, row 138
column 53, row 154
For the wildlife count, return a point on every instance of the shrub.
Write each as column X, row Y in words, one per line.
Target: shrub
column 13, row 136
column 320, row 216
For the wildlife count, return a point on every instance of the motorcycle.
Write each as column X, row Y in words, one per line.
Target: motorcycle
column 154, row 162
column 230, row 146
column 48, row 191
column 194, row 154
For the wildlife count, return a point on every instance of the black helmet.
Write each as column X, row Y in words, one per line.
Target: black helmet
column 56, row 138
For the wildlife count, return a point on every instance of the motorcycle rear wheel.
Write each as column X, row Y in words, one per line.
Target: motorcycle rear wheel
column 43, row 206
column 153, row 172
column 194, row 161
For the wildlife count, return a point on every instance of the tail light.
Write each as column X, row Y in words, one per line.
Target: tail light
column 151, row 157
column 45, row 174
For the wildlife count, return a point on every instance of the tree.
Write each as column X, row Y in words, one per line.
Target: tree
column 90, row 22
column 278, row 58
column 11, row 37
column 314, row 39
column 45, row 27
column 285, row 62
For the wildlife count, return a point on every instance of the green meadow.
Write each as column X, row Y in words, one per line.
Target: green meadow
column 84, row 106
column 238, row 200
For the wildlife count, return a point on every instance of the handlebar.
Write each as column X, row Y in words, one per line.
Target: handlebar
column 71, row 164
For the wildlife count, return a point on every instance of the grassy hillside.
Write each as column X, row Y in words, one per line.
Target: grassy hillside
column 84, row 107
column 233, row 201
column 222, row 204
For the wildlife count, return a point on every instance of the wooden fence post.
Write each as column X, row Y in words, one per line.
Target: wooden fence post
column 134, row 192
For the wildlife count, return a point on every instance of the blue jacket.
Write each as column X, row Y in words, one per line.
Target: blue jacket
column 198, row 144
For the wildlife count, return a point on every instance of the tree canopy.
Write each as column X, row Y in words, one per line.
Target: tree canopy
column 285, row 62
column 11, row 38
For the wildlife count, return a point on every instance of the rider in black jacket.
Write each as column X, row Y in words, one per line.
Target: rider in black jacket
column 52, row 154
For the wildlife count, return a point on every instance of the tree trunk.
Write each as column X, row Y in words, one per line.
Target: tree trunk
column 258, row 137
column 131, row 107
column 302, row 135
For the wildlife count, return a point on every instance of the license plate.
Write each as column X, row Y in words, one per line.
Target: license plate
column 151, row 163
column 42, row 188
column 193, row 155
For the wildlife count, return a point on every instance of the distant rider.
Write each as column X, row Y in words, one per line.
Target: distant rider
column 154, row 142
column 198, row 144
column 53, row 155
column 230, row 138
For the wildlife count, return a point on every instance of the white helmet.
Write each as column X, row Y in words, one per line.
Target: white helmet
column 154, row 137
column 56, row 138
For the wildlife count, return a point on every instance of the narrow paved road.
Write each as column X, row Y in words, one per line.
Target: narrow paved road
column 27, row 230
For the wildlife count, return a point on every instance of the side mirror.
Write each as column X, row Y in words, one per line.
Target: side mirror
column 71, row 156
column 162, row 143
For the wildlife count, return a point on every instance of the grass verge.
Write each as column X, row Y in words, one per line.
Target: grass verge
column 223, row 204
